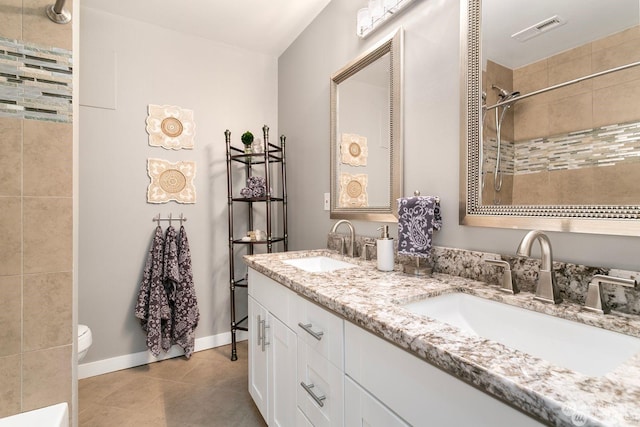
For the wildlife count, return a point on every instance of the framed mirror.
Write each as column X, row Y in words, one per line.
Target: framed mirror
column 366, row 134
column 550, row 117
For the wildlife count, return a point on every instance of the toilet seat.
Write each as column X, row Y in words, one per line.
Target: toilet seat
column 84, row 339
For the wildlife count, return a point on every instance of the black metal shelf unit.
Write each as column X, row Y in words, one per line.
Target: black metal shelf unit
column 271, row 157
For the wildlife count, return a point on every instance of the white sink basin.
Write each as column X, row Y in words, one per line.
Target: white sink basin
column 318, row 264
column 586, row 349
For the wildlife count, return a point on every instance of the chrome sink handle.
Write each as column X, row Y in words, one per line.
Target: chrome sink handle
column 368, row 243
column 595, row 301
column 508, row 283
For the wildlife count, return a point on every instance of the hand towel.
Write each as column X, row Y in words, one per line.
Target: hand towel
column 152, row 307
column 170, row 279
column 185, row 306
column 417, row 218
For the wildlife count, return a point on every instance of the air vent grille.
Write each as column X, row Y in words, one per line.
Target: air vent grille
column 539, row 28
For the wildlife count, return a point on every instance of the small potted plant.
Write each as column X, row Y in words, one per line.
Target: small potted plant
column 247, row 140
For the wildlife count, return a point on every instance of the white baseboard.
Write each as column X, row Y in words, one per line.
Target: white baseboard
column 99, row 367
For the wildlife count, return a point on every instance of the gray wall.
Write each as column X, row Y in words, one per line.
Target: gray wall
column 126, row 65
column 431, row 124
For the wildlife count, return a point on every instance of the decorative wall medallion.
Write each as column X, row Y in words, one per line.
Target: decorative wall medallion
column 353, row 149
column 353, row 191
column 170, row 127
column 171, row 181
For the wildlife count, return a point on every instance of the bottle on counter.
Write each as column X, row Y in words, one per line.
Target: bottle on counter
column 385, row 250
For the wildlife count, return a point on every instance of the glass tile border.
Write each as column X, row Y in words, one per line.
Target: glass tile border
column 36, row 82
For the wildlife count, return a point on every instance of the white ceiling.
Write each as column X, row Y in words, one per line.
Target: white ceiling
column 587, row 20
column 267, row 26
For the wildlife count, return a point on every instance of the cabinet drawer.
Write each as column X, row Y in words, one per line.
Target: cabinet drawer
column 276, row 298
column 321, row 330
column 320, row 388
column 362, row 409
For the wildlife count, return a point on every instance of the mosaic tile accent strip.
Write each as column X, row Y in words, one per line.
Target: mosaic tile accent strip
column 36, row 82
column 507, row 160
column 603, row 146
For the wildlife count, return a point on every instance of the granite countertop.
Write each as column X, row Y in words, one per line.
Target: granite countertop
column 556, row 395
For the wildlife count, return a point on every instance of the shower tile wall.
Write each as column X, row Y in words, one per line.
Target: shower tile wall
column 36, row 356
column 502, row 77
column 599, row 116
column 592, row 103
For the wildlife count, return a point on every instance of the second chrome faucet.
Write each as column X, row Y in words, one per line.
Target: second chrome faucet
column 547, row 289
column 352, row 237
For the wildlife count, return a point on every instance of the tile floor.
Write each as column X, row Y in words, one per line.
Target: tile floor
column 206, row 391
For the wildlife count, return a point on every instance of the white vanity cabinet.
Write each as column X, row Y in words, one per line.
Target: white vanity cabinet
column 296, row 357
column 309, row 367
column 272, row 350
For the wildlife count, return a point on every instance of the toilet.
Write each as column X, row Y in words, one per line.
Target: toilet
column 84, row 341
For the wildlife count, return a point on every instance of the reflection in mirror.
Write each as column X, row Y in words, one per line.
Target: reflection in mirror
column 366, row 134
column 552, row 119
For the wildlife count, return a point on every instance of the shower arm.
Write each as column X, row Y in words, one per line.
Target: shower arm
column 58, row 14
column 560, row 85
column 59, row 6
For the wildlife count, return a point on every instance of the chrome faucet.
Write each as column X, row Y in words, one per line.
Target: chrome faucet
column 594, row 301
column 547, row 289
column 352, row 236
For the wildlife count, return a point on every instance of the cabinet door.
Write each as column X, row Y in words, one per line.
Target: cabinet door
column 320, row 388
column 362, row 409
column 418, row 391
column 258, row 357
column 281, row 345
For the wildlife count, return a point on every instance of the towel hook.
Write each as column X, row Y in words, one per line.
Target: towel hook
column 416, row 193
column 158, row 219
column 181, row 219
column 170, row 217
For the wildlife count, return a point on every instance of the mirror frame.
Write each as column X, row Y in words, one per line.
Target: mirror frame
column 596, row 219
column 392, row 44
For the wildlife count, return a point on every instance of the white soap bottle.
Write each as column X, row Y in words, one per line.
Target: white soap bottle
column 385, row 250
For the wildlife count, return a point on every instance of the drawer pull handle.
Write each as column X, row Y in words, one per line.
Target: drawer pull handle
column 318, row 399
column 307, row 327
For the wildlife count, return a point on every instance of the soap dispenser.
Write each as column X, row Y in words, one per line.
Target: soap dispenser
column 385, row 250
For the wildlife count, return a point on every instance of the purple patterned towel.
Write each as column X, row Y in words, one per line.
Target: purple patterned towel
column 152, row 306
column 417, row 218
column 185, row 306
column 170, row 279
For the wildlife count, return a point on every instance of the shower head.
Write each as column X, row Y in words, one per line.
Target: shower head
column 505, row 95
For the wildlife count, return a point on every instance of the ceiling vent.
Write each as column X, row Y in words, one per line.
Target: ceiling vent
column 539, row 28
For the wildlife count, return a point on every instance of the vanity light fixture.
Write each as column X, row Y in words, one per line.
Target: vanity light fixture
column 377, row 13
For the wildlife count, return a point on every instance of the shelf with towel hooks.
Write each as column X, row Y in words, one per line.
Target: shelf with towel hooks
column 170, row 218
